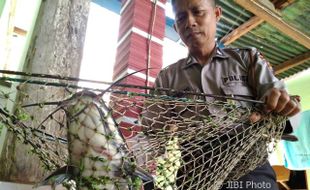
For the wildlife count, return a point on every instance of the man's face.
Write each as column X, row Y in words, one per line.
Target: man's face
column 195, row 21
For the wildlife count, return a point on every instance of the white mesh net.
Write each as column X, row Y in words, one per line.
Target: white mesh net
column 126, row 139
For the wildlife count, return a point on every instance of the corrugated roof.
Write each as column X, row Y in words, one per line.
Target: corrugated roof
column 298, row 14
column 274, row 45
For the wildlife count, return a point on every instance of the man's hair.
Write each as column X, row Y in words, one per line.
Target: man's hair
column 212, row 2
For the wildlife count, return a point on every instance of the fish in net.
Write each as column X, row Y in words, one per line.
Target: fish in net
column 124, row 138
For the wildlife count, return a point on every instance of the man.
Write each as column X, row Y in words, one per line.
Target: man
column 211, row 70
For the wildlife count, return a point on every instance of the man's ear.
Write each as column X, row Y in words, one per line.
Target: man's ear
column 218, row 12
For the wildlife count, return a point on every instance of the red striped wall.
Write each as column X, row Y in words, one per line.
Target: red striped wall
column 132, row 51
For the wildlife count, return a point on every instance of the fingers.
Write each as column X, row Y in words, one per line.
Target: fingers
column 290, row 109
column 297, row 107
column 276, row 100
column 280, row 102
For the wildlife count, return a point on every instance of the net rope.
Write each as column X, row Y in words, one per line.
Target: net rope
column 182, row 143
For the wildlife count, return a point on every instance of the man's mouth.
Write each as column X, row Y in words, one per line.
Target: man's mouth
column 193, row 34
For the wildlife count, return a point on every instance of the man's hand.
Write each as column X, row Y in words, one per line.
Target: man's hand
column 280, row 102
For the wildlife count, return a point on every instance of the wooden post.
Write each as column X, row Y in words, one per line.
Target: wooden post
column 56, row 48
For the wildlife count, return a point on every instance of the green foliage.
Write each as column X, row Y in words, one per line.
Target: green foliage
column 92, row 183
column 22, row 115
column 136, row 183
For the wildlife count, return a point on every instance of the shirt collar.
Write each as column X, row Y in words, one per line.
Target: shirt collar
column 217, row 53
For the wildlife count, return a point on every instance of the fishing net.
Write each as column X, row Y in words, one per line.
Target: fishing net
column 183, row 143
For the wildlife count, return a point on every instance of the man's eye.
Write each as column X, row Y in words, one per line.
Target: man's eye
column 198, row 12
column 180, row 18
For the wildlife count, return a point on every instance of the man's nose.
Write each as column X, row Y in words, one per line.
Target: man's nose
column 191, row 21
